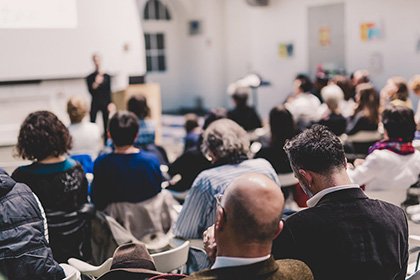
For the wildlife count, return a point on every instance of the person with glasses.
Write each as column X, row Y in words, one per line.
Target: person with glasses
column 248, row 218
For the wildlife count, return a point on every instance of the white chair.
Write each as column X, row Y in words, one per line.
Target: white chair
column 90, row 270
column 172, row 259
column 71, row 272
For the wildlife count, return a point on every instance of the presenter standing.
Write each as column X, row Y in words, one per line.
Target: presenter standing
column 99, row 86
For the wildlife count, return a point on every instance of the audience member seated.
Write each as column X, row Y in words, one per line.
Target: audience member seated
column 86, row 136
column 147, row 128
column 282, row 128
column 227, row 145
column 359, row 77
column 193, row 131
column 243, row 114
column 247, row 220
column 343, row 234
column 128, row 174
column 415, row 87
column 348, row 105
column 332, row 118
column 365, row 119
column 393, row 164
column 57, row 180
column 303, row 105
column 396, row 93
column 138, row 105
column 192, row 162
column 24, row 250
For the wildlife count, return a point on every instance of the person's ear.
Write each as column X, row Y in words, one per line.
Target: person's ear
column 307, row 176
column 279, row 229
column 220, row 221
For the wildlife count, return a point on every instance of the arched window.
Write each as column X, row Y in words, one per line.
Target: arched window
column 155, row 10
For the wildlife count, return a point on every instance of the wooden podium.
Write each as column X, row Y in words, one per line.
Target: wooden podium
column 152, row 93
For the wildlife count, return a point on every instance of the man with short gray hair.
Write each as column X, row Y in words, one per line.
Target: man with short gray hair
column 226, row 144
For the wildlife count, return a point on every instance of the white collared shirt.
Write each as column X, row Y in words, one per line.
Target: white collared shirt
column 316, row 198
column 231, row 261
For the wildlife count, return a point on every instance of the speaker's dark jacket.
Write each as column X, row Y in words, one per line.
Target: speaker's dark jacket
column 347, row 236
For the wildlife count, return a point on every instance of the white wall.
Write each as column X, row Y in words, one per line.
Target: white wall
column 103, row 25
column 253, row 34
column 195, row 64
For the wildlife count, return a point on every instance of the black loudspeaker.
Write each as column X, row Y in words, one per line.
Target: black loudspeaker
column 258, row 2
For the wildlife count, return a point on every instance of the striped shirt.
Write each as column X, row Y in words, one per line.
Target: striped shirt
column 199, row 209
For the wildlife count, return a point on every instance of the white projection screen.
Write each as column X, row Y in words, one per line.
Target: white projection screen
column 38, row 14
column 55, row 39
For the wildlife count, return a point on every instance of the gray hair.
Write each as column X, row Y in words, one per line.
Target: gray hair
column 225, row 140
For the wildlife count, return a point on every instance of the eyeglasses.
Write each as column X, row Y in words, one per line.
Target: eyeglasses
column 218, row 198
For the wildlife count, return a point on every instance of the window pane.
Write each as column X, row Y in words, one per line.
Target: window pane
column 160, row 41
column 149, row 63
column 161, row 63
column 147, row 41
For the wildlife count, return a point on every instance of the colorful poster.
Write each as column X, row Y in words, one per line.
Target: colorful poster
column 286, row 50
column 325, row 36
column 370, row 31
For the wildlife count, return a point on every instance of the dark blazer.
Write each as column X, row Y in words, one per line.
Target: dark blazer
column 266, row 270
column 102, row 94
column 347, row 236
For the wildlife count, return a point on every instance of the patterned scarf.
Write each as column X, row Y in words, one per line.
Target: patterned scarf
column 397, row 146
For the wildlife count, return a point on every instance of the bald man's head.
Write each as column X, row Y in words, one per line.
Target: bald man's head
column 254, row 206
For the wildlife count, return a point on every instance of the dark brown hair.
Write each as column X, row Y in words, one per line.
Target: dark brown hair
column 368, row 102
column 43, row 135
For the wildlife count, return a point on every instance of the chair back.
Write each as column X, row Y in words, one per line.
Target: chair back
column 90, row 270
column 85, row 161
column 172, row 259
column 71, row 272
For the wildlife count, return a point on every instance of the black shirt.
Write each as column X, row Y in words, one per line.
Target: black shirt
column 102, row 94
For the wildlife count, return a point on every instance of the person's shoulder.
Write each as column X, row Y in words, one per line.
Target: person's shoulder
column 148, row 156
column 294, row 270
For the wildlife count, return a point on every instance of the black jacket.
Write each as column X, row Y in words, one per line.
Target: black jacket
column 63, row 194
column 24, row 251
column 348, row 236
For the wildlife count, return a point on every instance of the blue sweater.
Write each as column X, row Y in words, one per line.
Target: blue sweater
column 125, row 178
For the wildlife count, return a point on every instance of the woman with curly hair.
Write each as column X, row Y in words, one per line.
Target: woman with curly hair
column 57, row 180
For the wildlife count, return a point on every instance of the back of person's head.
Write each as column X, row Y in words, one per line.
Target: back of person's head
column 360, row 77
column 214, row 115
column 240, row 96
column 191, row 122
column 282, row 125
column 123, row 128
column 225, row 140
column 77, row 109
column 399, row 123
column 317, row 150
column 304, row 83
column 415, row 84
column 401, row 88
column 138, row 105
column 252, row 209
column 346, row 86
column 332, row 96
column 43, row 135
column 367, row 101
